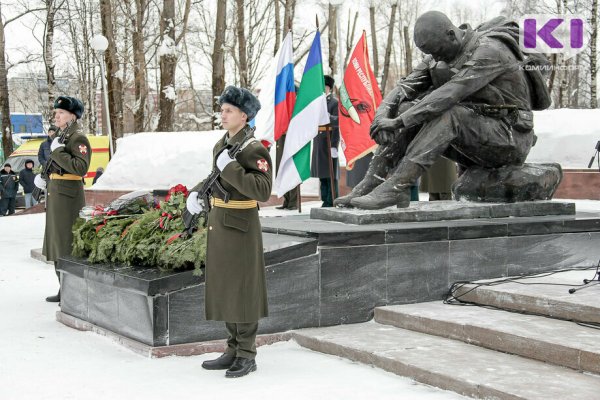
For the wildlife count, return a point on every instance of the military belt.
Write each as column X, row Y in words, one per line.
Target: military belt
column 324, row 129
column 66, row 177
column 495, row 111
column 237, row 204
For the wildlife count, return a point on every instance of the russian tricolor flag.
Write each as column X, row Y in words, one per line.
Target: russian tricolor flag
column 277, row 96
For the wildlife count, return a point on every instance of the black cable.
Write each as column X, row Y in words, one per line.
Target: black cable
column 453, row 299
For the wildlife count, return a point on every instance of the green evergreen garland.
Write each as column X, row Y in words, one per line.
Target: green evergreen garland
column 144, row 237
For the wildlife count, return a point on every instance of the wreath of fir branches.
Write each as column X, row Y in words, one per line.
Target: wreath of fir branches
column 142, row 235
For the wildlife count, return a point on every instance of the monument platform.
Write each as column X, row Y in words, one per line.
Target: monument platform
column 422, row 211
column 323, row 273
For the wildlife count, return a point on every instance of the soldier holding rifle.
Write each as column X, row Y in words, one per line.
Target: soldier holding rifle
column 62, row 180
column 235, row 290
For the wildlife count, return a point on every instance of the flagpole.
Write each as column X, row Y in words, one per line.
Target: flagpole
column 331, row 176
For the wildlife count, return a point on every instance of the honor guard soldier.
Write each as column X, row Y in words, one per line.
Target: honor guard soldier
column 62, row 179
column 235, row 287
column 324, row 163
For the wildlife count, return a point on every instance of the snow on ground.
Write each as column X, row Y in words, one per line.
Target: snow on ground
column 43, row 359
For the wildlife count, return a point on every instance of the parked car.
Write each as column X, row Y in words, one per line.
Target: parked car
column 29, row 150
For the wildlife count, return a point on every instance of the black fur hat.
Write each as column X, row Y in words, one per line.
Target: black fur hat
column 329, row 81
column 70, row 104
column 242, row 99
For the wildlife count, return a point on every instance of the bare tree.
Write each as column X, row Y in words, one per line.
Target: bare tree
column 5, row 125
column 333, row 39
column 594, row 55
column 388, row 48
column 115, row 83
column 374, row 40
column 241, row 38
column 138, row 20
column 407, row 51
column 48, row 54
column 168, row 62
column 350, row 37
column 218, row 56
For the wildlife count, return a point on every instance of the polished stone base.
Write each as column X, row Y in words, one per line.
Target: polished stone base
column 421, row 211
column 187, row 349
column 161, row 309
column 323, row 273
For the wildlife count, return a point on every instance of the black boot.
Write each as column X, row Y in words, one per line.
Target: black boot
column 54, row 299
column 241, row 366
column 223, row 362
column 375, row 175
column 395, row 191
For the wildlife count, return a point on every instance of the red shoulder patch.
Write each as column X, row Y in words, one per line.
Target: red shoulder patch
column 83, row 149
column 262, row 164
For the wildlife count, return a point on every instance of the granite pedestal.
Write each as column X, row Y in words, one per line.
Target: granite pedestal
column 324, row 272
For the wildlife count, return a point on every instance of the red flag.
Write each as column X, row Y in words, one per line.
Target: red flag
column 359, row 98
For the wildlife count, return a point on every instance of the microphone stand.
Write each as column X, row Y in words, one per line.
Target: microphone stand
column 594, row 156
column 589, row 282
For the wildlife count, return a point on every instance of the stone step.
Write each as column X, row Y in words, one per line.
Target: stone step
column 449, row 364
column 548, row 300
column 550, row 340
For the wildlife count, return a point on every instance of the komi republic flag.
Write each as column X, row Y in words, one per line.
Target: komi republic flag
column 310, row 111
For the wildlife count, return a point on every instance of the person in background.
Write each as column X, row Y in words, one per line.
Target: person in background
column 439, row 178
column 322, row 152
column 99, row 172
column 26, row 178
column 8, row 190
column 44, row 151
column 70, row 160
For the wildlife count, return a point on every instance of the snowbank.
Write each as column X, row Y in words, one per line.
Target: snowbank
column 565, row 136
column 160, row 160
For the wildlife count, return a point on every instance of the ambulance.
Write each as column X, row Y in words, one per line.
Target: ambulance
column 29, row 150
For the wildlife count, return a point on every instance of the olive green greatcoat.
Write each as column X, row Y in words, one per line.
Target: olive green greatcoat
column 64, row 198
column 235, row 288
column 440, row 177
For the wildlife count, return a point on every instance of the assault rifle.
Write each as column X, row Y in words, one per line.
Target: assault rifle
column 211, row 187
column 50, row 167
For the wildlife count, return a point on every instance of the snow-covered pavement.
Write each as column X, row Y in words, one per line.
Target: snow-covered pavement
column 42, row 359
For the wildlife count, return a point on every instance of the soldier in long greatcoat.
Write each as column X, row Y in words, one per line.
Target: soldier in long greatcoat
column 70, row 158
column 235, row 286
column 325, row 149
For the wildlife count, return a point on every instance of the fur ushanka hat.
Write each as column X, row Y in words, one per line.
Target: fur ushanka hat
column 70, row 104
column 329, row 81
column 242, row 99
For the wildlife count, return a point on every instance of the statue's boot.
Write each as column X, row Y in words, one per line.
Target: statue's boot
column 375, row 175
column 395, row 191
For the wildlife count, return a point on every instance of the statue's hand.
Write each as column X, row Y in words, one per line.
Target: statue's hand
column 384, row 130
column 385, row 124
